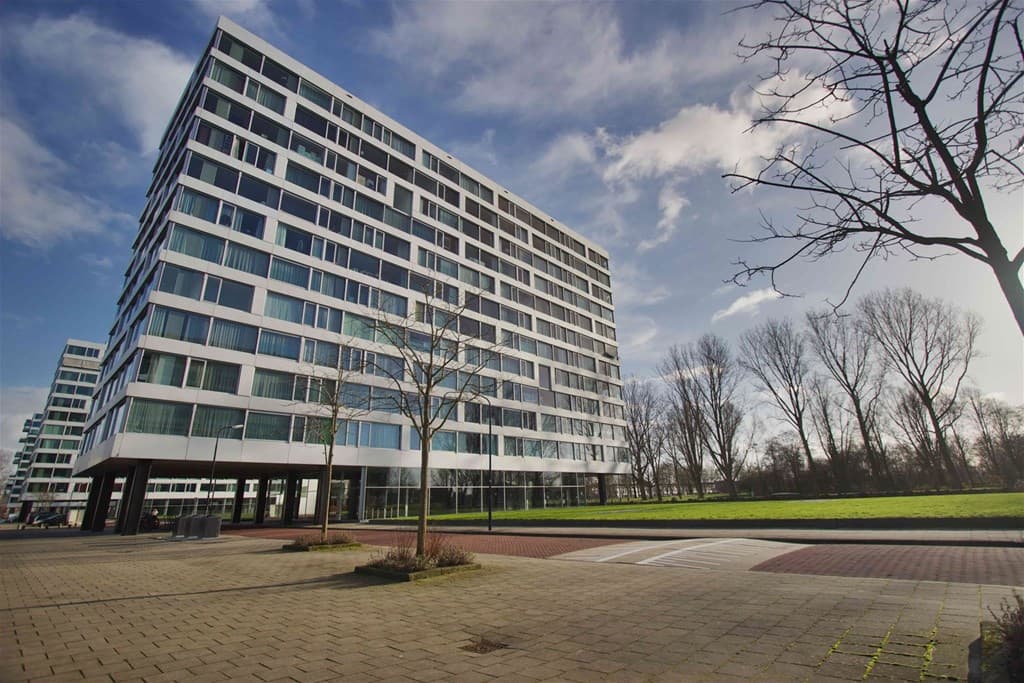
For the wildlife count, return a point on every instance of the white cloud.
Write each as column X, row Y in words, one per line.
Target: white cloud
column 254, row 15
column 16, row 405
column 748, row 303
column 671, row 203
column 567, row 155
column 37, row 207
column 96, row 262
column 703, row 137
column 541, row 58
column 134, row 79
column 634, row 287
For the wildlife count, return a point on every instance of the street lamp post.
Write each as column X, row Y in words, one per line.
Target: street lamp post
column 213, row 465
column 490, row 463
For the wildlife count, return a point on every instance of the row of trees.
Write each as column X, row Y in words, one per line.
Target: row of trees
column 875, row 401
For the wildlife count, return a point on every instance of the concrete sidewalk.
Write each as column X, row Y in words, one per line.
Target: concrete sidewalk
column 958, row 537
column 102, row 607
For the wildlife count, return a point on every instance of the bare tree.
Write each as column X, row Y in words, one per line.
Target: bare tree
column 335, row 400
column 775, row 354
column 715, row 378
column 1000, row 437
column 930, row 345
column 848, row 352
column 832, row 425
column 643, row 412
column 686, row 441
column 438, row 369
column 907, row 105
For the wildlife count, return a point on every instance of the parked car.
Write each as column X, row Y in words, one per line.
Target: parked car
column 48, row 519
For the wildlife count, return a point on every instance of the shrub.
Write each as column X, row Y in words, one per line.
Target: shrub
column 440, row 552
column 333, row 538
column 1010, row 623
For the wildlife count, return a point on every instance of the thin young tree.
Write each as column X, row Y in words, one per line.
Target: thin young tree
column 831, row 424
column 930, row 345
column 334, row 399
column 848, row 352
column 886, row 110
column 775, row 354
column 441, row 352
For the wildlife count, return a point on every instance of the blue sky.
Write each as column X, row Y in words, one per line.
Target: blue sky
column 617, row 119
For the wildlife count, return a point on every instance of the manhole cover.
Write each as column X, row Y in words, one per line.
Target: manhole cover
column 483, row 646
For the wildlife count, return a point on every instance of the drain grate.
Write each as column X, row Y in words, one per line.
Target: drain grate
column 483, row 646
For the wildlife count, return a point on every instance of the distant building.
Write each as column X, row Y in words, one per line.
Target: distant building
column 43, row 479
column 20, row 462
column 284, row 214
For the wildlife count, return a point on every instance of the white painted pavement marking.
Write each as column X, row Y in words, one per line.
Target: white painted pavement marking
column 629, row 552
column 652, row 560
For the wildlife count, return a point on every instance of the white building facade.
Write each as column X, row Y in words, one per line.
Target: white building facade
column 284, row 218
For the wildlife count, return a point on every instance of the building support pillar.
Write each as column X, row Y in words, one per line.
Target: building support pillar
column 291, row 482
column 105, row 490
column 236, row 511
column 136, row 497
column 602, row 489
column 360, row 512
column 122, row 506
column 90, row 502
column 262, row 494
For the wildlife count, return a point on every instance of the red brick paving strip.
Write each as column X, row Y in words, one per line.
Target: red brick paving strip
column 498, row 544
column 997, row 566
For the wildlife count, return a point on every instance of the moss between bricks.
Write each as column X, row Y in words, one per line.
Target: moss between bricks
column 320, row 548
column 993, row 657
column 417, row 575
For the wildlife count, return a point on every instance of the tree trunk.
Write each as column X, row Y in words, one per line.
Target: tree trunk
column 1009, row 283
column 812, row 472
column 325, row 498
column 421, row 524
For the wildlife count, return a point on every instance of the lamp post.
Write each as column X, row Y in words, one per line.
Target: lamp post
column 213, row 465
column 490, row 463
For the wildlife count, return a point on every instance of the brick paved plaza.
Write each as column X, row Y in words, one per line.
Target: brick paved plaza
column 140, row 608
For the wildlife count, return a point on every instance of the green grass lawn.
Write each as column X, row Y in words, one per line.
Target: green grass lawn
column 979, row 505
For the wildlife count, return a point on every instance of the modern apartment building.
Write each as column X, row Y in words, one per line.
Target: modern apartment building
column 20, row 462
column 285, row 220
column 50, row 446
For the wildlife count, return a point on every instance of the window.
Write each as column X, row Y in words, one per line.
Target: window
column 181, row 281
column 314, row 95
column 225, row 75
column 286, row 271
column 266, row 96
column 294, row 239
column 283, row 307
column 211, row 421
column 247, row 260
column 280, row 75
column 235, row 295
column 174, row 324
column 214, row 376
column 235, row 336
column 270, row 384
column 358, row 326
column 162, row 368
column 197, row 204
column 258, row 191
column 269, row 426
column 211, row 172
column 267, row 129
column 159, row 417
column 280, row 345
column 193, row 243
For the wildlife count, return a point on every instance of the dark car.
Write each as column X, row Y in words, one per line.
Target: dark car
column 48, row 519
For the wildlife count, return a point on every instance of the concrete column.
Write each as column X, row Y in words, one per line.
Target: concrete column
column 262, row 493
column 106, row 489
column 236, row 512
column 323, row 491
column 602, row 489
column 122, row 508
column 361, row 506
column 90, row 502
column 291, row 482
column 136, row 497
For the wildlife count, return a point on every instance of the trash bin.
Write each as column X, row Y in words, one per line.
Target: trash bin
column 179, row 526
column 189, row 526
column 207, row 527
